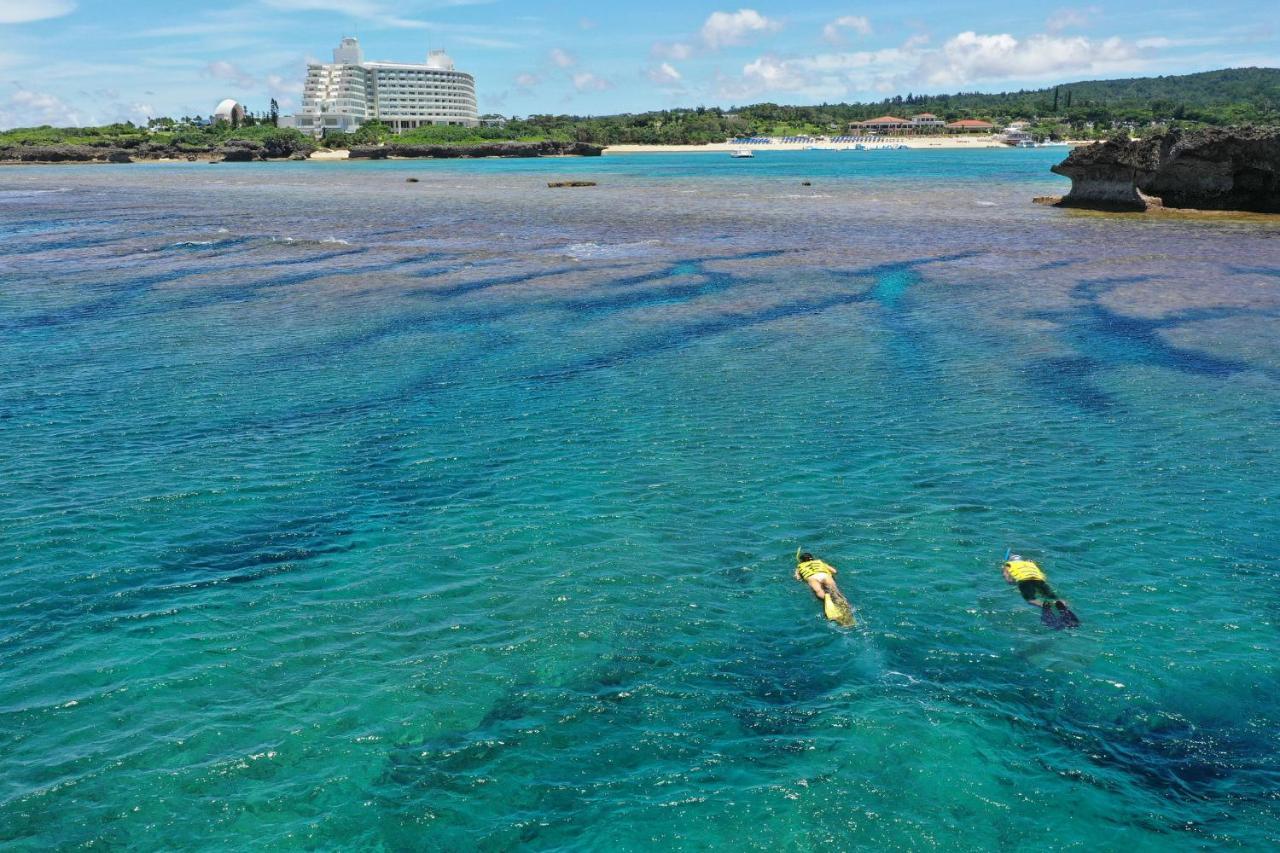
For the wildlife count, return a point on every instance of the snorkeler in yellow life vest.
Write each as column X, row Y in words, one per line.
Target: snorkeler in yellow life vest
column 821, row 579
column 1035, row 590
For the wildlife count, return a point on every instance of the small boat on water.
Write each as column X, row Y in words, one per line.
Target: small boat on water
column 742, row 154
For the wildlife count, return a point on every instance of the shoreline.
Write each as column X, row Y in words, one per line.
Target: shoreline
column 1158, row 209
column 973, row 142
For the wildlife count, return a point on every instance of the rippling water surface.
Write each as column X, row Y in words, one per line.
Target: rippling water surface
column 345, row 512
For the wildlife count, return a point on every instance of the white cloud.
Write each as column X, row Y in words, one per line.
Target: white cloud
column 585, row 81
column 834, row 31
column 970, row 56
column 587, row 24
column 527, row 80
column 1071, row 19
column 561, row 58
column 769, row 73
column 24, row 11
column 1161, row 42
column 370, row 11
column 138, row 113
column 26, row 108
column 278, row 85
column 963, row 59
column 664, row 74
column 356, row 8
column 726, row 29
column 223, row 70
column 676, row 50
column 824, row 76
column 720, row 30
column 481, row 41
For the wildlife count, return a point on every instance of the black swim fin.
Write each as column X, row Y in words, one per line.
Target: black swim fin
column 1069, row 619
column 1049, row 617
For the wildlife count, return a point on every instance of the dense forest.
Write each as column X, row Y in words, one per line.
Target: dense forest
column 1077, row 110
column 1071, row 110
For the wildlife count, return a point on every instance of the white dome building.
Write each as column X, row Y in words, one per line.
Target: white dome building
column 229, row 111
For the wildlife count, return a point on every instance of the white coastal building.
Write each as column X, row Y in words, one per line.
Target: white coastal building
column 346, row 93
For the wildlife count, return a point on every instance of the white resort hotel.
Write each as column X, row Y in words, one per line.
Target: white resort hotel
column 344, row 94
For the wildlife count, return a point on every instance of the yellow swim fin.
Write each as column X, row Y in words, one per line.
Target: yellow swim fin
column 838, row 611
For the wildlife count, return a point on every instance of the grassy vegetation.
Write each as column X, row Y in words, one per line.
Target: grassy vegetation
column 107, row 136
column 376, row 132
column 163, row 134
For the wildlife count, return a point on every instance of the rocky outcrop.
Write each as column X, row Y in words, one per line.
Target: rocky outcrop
column 488, row 149
column 1216, row 169
column 1104, row 176
column 63, row 154
column 276, row 145
column 242, row 151
column 1209, row 169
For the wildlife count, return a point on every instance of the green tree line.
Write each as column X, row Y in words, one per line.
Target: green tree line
column 1078, row 110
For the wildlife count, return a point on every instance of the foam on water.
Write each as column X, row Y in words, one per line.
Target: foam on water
column 460, row 515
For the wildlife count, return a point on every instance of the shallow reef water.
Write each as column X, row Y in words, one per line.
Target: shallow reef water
column 341, row 512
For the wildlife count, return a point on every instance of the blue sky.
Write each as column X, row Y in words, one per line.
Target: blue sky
column 93, row 61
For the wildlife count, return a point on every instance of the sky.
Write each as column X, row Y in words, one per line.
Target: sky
column 80, row 62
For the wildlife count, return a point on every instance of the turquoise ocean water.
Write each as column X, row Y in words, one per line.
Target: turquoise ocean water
column 340, row 512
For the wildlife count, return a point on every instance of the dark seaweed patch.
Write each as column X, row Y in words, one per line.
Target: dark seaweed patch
column 579, row 305
column 122, row 293
column 676, row 292
column 1182, row 761
column 681, row 335
column 17, row 250
column 1056, row 265
column 1113, row 339
column 1118, row 339
column 1069, row 379
column 257, row 553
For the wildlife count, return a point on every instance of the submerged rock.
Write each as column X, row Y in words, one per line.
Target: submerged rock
column 1208, row 169
column 555, row 184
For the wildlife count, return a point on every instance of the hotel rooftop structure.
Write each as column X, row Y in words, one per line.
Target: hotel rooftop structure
column 348, row 92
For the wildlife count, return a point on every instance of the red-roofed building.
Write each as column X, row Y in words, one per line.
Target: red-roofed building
column 970, row 125
column 884, row 124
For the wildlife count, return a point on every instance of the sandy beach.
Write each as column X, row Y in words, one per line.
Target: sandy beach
column 973, row 141
column 949, row 142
